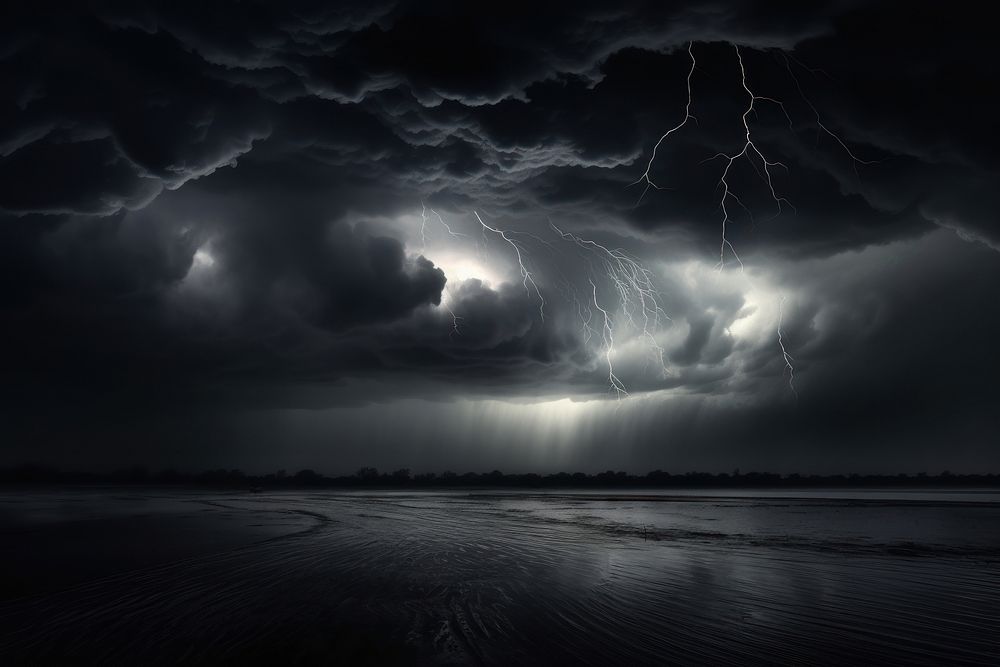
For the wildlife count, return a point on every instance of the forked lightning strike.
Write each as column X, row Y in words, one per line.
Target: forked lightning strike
column 784, row 353
column 753, row 154
column 588, row 331
column 455, row 319
column 423, row 225
column 819, row 121
column 645, row 178
column 526, row 276
column 583, row 310
column 634, row 284
column 638, row 299
column 749, row 150
column 609, row 347
column 447, row 228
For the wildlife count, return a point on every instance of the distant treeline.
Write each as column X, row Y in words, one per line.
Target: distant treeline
column 371, row 477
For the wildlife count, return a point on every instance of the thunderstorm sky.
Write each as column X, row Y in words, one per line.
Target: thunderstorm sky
column 263, row 235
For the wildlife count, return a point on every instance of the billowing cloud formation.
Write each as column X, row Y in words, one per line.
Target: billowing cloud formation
column 218, row 207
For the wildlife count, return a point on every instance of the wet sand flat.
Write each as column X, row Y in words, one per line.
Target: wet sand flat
column 500, row 578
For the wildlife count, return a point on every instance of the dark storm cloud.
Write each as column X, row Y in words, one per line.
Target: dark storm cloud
column 214, row 203
column 98, row 119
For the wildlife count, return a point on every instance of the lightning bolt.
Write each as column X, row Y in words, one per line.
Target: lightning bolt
column 638, row 299
column 447, row 228
column 609, row 347
column 752, row 152
column 586, row 316
column 455, row 319
column 638, row 302
column 527, row 278
column 749, row 151
column 645, row 178
column 633, row 282
column 423, row 225
column 784, row 352
column 855, row 160
column 582, row 309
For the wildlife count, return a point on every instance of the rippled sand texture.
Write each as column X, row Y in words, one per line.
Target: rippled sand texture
column 548, row 579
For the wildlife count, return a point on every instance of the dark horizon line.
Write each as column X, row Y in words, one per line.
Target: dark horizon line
column 371, row 477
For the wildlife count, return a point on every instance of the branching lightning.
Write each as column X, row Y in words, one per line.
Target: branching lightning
column 581, row 308
column 527, row 278
column 638, row 298
column 749, row 151
column 819, row 121
column 423, row 225
column 645, row 178
column 447, row 228
column 609, row 347
column 638, row 301
column 455, row 319
column 586, row 315
column 784, row 352
column 755, row 157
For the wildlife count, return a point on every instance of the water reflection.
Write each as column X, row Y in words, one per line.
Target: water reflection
column 508, row 578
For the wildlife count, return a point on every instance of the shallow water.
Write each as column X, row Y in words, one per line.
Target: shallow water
column 502, row 578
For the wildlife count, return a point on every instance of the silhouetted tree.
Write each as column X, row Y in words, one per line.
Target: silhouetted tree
column 308, row 476
column 36, row 474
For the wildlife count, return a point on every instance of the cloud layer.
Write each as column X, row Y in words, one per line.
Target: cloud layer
column 217, row 208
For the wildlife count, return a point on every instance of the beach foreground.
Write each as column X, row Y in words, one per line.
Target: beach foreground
column 160, row 576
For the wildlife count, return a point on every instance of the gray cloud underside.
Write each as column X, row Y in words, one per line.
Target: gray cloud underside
column 286, row 143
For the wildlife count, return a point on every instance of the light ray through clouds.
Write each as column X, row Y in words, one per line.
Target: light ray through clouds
column 289, row 207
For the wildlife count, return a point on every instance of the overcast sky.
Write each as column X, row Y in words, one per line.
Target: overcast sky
column 265, row 235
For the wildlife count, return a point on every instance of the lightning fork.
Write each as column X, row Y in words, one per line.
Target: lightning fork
column 526, row 276
column 634, row 284
column 609, row 347
column 447, row 228
column 455, row 319
column 423, row 225
column 583, row 311
column 855, row 160
column 749, row 150
column 784, row 353
column 687, row 116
